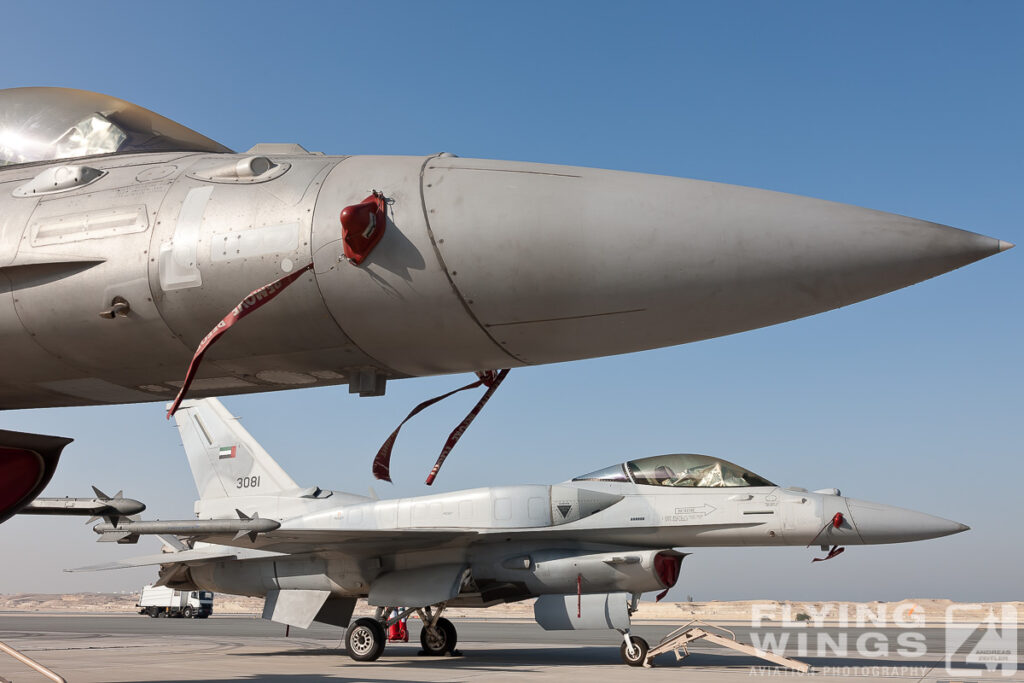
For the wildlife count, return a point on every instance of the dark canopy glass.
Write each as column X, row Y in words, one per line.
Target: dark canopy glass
column 679, row 469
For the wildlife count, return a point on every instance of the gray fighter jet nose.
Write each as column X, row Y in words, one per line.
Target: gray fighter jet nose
column 877, row 523
column 560, row 262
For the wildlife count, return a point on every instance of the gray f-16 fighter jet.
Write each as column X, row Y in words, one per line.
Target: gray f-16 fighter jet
column 586, row 548
column 125, row 237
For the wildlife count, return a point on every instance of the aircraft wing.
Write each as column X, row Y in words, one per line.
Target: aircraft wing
column 358, row 542
column 190, row 556
column 368, row 542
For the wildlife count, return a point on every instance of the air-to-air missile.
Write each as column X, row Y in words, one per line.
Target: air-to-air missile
column 129, row 532
column 112, row 508
column 125, row 237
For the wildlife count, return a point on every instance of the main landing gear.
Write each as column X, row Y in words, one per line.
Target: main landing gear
column 366, row 637
column 438, row 636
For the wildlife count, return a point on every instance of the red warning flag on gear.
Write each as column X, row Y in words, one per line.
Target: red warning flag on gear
column 256, row 298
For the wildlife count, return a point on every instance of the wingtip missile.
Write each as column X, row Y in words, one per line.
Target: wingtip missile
column 112, row 509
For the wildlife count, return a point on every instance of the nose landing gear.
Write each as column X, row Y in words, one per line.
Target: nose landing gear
column 633, row 649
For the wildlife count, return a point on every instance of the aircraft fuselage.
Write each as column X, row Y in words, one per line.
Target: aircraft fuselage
column 109, row 280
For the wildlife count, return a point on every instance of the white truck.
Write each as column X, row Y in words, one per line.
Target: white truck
column 161, row 601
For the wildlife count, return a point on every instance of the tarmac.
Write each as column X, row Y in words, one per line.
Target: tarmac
column 231, row 648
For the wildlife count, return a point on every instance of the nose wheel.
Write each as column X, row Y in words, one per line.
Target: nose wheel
column 634, row 650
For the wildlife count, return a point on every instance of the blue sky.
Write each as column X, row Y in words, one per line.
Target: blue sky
column 912, row 399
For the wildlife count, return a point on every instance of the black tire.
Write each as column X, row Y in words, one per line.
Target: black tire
column 441, row 639
column 152, row 612
column 365, row 639
column 638, row 655
column 163, row 614
column 188, row 612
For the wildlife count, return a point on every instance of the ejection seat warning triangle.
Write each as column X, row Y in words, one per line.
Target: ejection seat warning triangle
column 564, row 509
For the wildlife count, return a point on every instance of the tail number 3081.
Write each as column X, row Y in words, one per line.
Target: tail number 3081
column 248, row 482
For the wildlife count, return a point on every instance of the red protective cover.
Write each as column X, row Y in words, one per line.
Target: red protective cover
column 362, row 226
column 667, row 567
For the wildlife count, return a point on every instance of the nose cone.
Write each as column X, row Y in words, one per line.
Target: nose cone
column 878, row 523
column 127, row 506
column 558, row 262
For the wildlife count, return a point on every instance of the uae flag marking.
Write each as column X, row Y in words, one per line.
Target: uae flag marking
column 227, row 452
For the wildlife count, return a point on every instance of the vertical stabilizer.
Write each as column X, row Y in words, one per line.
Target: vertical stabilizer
column 226, row 461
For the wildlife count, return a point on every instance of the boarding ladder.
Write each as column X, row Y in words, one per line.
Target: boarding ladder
column 697, row 629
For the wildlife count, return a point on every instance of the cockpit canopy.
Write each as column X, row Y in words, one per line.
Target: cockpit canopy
column 687, row 470
column 46, row 124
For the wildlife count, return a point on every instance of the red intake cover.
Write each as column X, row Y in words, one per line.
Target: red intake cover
column 667, row 566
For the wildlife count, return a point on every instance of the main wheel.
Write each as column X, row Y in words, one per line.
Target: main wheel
column 638, row 653
column 439, row 640
column 365, row 639
column 151, row 611
column 188, row 612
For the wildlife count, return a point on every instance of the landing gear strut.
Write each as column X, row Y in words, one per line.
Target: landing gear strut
column 634, row 648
